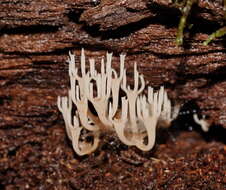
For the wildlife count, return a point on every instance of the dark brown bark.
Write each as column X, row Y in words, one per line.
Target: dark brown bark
column 34, row 32
column 36, row 36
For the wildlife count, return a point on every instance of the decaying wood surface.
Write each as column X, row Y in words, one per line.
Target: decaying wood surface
column 35, row 38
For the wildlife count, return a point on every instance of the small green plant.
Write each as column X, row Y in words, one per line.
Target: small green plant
column 185, row 7
column 183, row 20
column 219, row 33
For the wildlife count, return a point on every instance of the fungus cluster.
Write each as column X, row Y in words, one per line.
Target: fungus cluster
column 134, row 120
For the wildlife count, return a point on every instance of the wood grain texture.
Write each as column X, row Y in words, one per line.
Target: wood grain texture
column 36, row 36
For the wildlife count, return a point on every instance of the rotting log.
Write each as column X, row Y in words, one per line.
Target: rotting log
column 35, row 38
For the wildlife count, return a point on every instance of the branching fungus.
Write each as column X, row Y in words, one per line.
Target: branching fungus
column 134, row 120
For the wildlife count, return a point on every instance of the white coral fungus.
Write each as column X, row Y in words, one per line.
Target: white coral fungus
column 134, row 121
